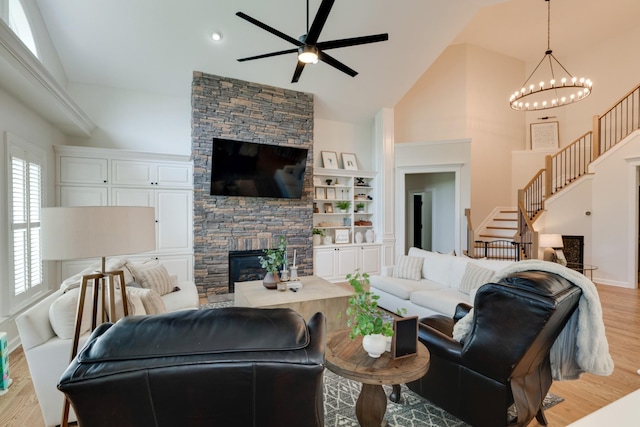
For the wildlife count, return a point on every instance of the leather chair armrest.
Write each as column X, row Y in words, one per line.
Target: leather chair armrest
column 439, row 343
column 462, row 310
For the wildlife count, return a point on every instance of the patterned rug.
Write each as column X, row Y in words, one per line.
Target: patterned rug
column 341, row 394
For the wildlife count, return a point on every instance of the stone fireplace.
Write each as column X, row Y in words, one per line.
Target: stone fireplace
column 244, row 266
column 245, row 111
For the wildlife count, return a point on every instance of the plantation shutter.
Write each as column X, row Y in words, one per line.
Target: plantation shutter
column 25, row 200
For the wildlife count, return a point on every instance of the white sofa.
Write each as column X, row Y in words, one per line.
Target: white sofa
column 437, row 283
column 46, row 329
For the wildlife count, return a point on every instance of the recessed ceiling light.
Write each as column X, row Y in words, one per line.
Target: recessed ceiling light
column 216, row 36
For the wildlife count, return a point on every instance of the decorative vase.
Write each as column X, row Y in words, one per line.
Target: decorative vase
column 270, row 280
column 359, row 237
column 317, row 239
column 368, row 236
column 374, row 344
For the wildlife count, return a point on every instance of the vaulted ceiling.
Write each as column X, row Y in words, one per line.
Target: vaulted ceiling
column 154, row 46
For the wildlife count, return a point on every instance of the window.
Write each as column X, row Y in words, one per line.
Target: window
column 25, row 166
column 14, row 15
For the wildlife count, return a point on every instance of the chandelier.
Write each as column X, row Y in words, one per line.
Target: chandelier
column 540, row 94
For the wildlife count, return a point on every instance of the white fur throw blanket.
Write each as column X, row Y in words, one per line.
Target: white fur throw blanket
column 582, row 345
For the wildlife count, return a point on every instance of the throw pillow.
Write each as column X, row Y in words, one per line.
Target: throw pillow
column 151, row 300
column 408, row 267
column 136, row 268
column 462, row 327
column 474, row 277
column 156, row 278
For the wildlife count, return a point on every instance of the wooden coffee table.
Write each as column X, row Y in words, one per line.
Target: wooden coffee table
column 316, row 295
column 348, row 359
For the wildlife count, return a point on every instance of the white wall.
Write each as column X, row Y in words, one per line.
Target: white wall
column 465, row 95
column 29, row 127
column 343, row 137
column 136, row 121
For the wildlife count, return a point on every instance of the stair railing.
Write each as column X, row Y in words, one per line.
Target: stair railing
column 572, row 162
column 470, row 233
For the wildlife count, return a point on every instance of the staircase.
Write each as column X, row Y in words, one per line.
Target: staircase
column 495, row 239
column 516, row 227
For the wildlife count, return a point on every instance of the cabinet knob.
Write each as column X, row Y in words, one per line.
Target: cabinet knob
column 105, row 181
column 156, row 221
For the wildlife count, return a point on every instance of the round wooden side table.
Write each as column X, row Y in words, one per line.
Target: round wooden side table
column 348, row 359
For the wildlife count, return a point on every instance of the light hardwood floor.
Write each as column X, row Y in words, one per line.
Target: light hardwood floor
column 621, row 312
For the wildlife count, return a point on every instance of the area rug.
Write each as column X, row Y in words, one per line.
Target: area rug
column 341, row 394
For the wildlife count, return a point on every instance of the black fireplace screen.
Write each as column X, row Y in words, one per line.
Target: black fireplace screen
column 244, row 266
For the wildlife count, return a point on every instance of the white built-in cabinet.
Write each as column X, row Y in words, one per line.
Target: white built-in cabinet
column 104, row 177
column 334, row 260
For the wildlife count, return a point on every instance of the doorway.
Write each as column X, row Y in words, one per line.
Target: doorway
column 421, row 220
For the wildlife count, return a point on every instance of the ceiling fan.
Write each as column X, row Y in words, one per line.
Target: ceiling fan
column 307, row 46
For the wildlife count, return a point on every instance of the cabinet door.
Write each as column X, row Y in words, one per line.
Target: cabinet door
column 347, row 261
column 174, row 175
column 83, row 196
column 133, row 197
column 174, row 213
column 323, row 262
column 370, row 259
column 83, row 170
column 127, row 172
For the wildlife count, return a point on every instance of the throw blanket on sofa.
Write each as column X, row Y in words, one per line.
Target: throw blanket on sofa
column 582, row 345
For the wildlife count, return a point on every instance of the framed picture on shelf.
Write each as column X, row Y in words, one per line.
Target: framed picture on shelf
column 342, row 235
column 317, row 181
column 320, row 193
column 331, row 193
column 349, row 161
column 544, row 136
column 328, row 208
column 329, row 160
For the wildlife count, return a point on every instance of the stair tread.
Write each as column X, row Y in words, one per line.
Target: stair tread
column 495, row 227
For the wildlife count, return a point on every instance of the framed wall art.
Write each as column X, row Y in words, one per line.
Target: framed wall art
column 320, row 193
column 349, row 161
column 329, row 160
column 328, row 208
column 331, row 193
column 342, row 235
column 544, row 136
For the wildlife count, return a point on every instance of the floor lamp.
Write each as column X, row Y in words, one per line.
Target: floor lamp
column 90, row 232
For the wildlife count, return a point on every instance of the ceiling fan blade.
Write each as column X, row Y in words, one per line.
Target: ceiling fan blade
column 336, row 64
column 354, row 41
column 268, row 55
column 319, row 21
column 297, row 72
column 269, row 29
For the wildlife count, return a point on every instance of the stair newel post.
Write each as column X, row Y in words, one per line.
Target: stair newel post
column 548, row 177
column 595, row 138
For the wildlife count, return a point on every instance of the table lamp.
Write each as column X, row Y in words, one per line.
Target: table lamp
column 90, row 232
column 550, row 242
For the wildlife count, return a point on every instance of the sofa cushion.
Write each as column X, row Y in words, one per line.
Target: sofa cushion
column 444, row 300
column 436, row 266
column 408, row 267
column 400, row 288
column 151, row 300
column 62, row 312
column 156, row 278
column 474, row 277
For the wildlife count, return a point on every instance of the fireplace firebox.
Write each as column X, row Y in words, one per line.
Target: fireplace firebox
column 244, row 266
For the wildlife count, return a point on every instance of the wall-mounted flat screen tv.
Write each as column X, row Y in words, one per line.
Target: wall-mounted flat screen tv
column 257, row 170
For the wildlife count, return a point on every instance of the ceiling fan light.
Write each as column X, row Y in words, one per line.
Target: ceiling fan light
column 308, row 54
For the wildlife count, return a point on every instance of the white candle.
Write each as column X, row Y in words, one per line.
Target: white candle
column 294, row 257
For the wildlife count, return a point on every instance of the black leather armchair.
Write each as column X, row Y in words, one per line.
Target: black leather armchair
column 226, row 367
column 505, row 357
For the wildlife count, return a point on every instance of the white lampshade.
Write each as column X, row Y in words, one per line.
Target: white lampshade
column 96, row 231
column 550, row 241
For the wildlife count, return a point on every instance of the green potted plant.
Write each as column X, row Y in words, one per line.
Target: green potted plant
column 271, row 260
column 365, row 318
column 343, row 205
column 318, row 234
column 360, row 207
